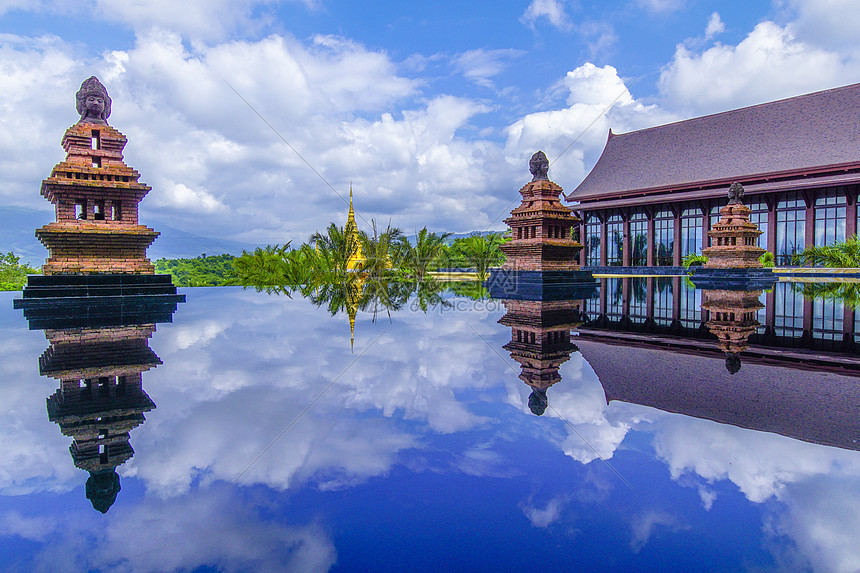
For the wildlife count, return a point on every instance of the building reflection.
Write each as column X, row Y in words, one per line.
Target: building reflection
column 98, row 353
column 668, row 306
column 800, row 369
column 541, row 342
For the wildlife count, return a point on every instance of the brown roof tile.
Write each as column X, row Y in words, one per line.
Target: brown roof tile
column 802, row 133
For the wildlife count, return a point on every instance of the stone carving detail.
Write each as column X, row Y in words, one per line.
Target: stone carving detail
column 539, row 166
column 93, row 102
column 736, row 194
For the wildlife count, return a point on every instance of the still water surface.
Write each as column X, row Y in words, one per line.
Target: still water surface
column 273, row 444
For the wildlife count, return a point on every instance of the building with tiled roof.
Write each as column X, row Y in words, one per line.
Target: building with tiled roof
column 653, row 194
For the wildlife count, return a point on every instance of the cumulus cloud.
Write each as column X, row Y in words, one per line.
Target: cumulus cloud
column 715, row 26
column 770, row 63
column 598, row 100
column 551, row 10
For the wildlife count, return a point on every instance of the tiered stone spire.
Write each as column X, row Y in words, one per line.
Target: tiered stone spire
column 734, row 239
column 541, row 238
column 732, row 319
column 540, row 342
column 96, row 198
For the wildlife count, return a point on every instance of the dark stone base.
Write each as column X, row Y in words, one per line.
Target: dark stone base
column 97, row 301
column 733, row 279
column 542, row 285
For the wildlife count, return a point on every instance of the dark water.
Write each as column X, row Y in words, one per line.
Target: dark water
column 272, row 445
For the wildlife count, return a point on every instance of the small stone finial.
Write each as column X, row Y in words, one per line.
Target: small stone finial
column 539, row 166
column 93, row 102
column 733, row 362
column 101, row 489
column 736, row 194
column 538, row 402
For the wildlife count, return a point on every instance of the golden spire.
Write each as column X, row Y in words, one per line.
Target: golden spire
column 357, row 258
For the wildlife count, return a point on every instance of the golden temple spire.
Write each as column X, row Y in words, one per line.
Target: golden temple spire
column 357, row 259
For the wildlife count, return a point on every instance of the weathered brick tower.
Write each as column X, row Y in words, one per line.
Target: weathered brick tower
column 541, row 226
column 95, row 196
column 542, row 253
column 97, row 248
column 734, row 252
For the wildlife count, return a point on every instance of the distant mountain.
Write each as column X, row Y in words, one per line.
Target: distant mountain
column 176, row 244
column 451, row 238
column 17, row 227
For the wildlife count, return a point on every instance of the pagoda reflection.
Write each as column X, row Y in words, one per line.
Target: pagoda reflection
column 732, row 319
column 99, row 350
column 100, row 399
column 541, row 342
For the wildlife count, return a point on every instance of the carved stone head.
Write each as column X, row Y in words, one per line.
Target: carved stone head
column 539, row 166
column 93, row 102
column 736, row 194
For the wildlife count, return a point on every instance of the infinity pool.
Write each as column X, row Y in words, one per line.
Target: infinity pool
column 267, row 434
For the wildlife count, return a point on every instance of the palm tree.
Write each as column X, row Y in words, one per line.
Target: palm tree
column 838, row 255
column 266, row 268
column 483, row 252
column 382, row 251
column 428, row 246
column 335, row 248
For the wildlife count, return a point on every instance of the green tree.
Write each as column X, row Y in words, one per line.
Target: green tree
column 13, row 274
column 383, row 251
column 418, row 258
column 838, row 255
column 335, row 247
column 481, row 252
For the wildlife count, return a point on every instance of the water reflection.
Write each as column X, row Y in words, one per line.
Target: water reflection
column 780, row 386
column 98, row 353
column 541, row 342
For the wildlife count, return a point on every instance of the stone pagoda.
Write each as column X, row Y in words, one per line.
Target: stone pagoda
column 96, row 246
column 542, row 253
column 95, row 196
column 733, row 257
column 100, row 399
column 732, row 319
column 541, row 238
column 540, row 342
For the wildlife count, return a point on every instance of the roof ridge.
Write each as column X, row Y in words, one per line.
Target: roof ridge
column 736, row 110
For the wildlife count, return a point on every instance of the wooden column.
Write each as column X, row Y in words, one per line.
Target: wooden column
column 809, row 238
column 603, row 240
column 772, row 201
column 676, row 250
column 851, row 212
column 649, row 299
column 651, row 249
column 625, row 241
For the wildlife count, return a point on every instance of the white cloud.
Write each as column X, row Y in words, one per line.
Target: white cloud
column 661, row 5
column 598, row 100
column 715, row 26
column 552, row 10
column 480, row 65
column 770, row 63
column 205, row 529
column 544, row 517
column 648, row 523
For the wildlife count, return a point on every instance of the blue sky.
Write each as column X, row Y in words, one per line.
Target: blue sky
column 431, row 109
